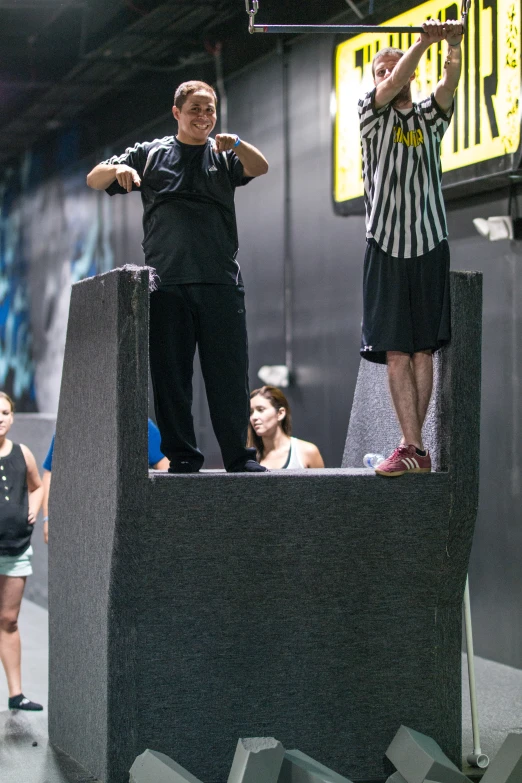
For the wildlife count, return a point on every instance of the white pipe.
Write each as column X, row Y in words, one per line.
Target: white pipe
column 477, row 758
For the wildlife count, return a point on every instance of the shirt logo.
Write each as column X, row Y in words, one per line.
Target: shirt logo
column 212, row 168
column 411, row 139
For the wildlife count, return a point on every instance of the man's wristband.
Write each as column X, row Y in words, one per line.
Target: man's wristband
column 46, row 519
column 454, row 45
column 237, row 142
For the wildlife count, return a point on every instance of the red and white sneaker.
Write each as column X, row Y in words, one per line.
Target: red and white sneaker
column 404, row 460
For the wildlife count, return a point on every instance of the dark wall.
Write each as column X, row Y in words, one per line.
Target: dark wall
column 495, row 573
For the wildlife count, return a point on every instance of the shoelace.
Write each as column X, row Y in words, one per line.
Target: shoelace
column 399, row 452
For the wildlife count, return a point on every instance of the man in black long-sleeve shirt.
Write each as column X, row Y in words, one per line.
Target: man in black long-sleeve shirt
column 187, row 184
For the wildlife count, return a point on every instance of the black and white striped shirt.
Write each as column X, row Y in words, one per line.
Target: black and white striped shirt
column 402, row 173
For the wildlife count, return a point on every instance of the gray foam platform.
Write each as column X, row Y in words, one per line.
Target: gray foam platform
column 299, row 768
column 419, row 758
column 321, row 607
column 154, row 767
column 506, row 767
column 256, row 760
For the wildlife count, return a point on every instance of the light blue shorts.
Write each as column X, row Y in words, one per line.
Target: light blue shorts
column 17, row 565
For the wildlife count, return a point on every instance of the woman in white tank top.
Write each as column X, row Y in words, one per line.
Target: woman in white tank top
column 270, row 433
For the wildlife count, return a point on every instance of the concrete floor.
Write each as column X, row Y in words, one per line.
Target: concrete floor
column 20, row 760
column 499, row 696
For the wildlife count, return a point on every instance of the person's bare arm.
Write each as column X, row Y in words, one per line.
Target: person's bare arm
column 163, row 464
column 445, row 89
column 388, row 89
column 311, row 455
column 34, row 485
column 46, row 483
column 104, row 175
column 254, row 162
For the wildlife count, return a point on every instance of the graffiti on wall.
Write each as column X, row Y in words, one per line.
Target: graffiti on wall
column 16, row 366
column 51, row 235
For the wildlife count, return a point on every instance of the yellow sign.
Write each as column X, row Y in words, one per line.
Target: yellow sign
column 486, row 122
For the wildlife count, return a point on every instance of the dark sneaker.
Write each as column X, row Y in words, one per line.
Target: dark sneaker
column 249, row 466
column 404, row 460
column 183, row 467
column 20, row 702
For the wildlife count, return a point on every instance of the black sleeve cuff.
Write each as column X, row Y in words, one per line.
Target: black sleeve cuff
column 115, row 189
column 444, row 115
column 382, row 109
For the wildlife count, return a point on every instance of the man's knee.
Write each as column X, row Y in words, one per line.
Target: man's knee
column 423, row 357
column 8, row 623
column 397, row 359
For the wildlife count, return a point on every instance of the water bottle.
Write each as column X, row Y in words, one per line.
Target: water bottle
column 372, row 460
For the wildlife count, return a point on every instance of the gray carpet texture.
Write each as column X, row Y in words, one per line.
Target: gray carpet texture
column 320, row 607
column 100, row 471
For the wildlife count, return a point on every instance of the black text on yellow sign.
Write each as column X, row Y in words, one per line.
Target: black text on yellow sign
column 486, row 122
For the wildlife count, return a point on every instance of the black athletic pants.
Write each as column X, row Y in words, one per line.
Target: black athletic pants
column 213, row 317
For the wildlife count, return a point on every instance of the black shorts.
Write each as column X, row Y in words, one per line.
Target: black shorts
column 406, row 302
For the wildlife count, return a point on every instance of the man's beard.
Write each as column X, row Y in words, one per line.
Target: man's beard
column 403, row 96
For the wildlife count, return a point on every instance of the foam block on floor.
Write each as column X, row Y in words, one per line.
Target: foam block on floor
column 506, row 767
column 396, row 778
column 256, row 760
column 419, row 758
column 297, row 767
column 155, row 767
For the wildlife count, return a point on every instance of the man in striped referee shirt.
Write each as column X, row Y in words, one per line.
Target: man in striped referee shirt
column 406, row 268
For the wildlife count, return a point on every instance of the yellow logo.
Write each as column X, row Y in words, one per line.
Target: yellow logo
column 411, row 139
column 486, row 120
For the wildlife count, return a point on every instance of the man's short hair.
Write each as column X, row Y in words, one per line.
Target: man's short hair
column 187, row 88
column 383, row 53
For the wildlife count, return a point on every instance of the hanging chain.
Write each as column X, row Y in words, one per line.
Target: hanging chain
column 464, row 10
column 252, row 13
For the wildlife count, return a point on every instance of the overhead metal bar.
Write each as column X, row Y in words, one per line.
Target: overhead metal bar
column 339, row 29
column 252, row 8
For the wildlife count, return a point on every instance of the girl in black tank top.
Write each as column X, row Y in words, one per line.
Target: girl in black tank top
column 15, row 530
column 21, row 494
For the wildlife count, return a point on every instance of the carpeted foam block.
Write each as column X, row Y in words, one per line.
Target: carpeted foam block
column 419, row 758
column 226, row 593
column 154, row 767
column 256, row 760
column 299, row 768
column 506, row 767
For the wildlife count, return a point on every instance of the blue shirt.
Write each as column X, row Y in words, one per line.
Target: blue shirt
column 155, row 454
